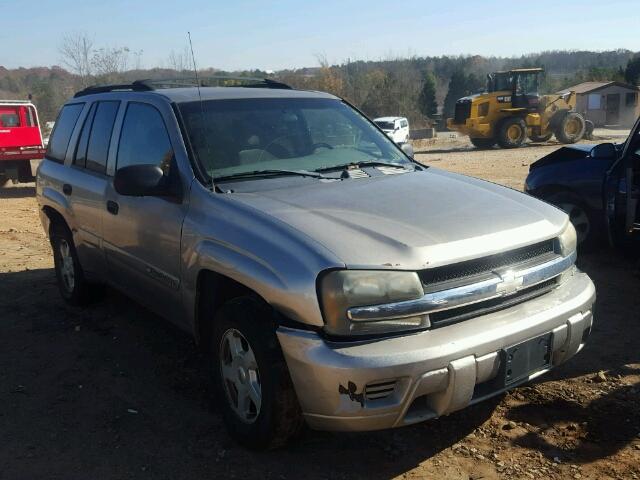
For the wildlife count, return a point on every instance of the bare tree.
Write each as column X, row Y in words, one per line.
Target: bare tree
column 180, row 61
column 76, row 50
column 110, row 63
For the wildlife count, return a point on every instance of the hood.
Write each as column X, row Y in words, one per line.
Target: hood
column 574, row 152
column 410, row 221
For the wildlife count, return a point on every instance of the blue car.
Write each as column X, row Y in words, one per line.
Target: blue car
column 598, row 186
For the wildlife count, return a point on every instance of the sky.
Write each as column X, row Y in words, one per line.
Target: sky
column 277, row 34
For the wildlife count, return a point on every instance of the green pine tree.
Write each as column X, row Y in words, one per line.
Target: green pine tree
column 427, row 99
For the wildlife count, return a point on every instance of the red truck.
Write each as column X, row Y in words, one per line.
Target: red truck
column 20, row 140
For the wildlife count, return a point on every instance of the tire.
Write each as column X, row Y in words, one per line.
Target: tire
column 24, row 173
column 541, row 138
column 588, row 131
column 582, row 218
column 571, row 128
column 246, row 357
column 483, row 143
column 512, row 132
column 75, row 290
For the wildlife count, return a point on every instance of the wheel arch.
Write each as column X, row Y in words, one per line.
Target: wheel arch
column 213, row 290
column 54, row 217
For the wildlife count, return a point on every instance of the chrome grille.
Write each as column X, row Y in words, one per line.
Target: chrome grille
column 536, row 253
column 460, row 314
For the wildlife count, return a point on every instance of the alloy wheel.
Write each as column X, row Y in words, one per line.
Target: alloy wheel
column 240, row 375
column 67, row 268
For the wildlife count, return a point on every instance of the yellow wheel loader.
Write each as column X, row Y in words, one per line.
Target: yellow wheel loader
column 510, row 110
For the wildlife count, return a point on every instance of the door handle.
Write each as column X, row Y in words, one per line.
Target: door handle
column 66, row 189
column 112, row 207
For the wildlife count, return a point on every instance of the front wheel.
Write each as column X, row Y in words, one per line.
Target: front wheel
column 259, row 405
column 512, row 132
column 581, row 217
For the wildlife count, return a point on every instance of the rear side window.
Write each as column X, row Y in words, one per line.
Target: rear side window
column 144, row 139
column 62, row 131
column 30, row 115
column 80, row 157
column 102, row 126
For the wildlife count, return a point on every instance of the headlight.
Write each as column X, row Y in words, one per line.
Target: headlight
column 344, row 289
column 568, row 240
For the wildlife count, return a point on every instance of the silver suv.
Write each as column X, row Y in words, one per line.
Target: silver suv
column 331, row 279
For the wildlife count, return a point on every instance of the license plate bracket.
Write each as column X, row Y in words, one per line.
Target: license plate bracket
column 526, row 358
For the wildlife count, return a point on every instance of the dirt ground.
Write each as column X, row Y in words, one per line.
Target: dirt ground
column 114, row 392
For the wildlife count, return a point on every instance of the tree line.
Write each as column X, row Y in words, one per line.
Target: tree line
column 423, row 89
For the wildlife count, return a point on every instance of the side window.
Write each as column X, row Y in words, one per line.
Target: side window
column 80, row 156
column 98, row 146
column 66, row 122
column 30, row 113
column 144, row 139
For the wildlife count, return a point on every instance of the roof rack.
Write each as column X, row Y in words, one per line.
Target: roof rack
column 214, row 81
column 122, row 87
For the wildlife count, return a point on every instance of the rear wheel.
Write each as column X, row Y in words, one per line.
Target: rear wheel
column 512, row 133
column 483, row 143
column 71, row 282
column 24, row 173
column 259, row 405
column 571, row 128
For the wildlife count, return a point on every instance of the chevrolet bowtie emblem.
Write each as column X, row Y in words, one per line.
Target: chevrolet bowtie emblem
column 510, row 283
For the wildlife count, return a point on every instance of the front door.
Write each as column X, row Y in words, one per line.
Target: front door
column 613, row 109
column 142, row 234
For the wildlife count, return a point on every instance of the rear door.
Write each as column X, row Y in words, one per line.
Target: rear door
column 86, row 183
column 142, row 234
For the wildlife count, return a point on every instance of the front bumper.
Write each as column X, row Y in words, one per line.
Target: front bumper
column 403, row 380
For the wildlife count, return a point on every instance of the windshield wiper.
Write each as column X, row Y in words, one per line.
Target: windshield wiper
column 268, row 173
column 364, row 163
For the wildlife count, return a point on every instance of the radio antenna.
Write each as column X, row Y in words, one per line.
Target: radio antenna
column 195, row 71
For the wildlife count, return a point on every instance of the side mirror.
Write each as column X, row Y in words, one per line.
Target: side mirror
column 141, row 181
column 604, row 150
column 407, row 148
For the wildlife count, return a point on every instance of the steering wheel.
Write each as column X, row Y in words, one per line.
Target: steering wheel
column 321, row 145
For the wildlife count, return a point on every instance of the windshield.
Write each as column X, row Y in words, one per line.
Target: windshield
column 499, row 81
column 385, row 125
column 231, row 137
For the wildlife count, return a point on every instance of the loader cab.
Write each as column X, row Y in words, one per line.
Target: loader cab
column 523, row 83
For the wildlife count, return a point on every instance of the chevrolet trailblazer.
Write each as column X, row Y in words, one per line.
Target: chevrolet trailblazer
column 331, row 279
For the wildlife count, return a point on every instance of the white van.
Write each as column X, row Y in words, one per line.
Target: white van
column 396, row 128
